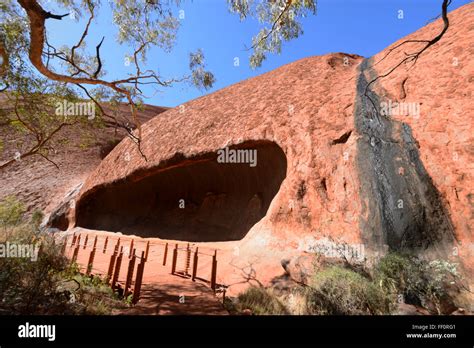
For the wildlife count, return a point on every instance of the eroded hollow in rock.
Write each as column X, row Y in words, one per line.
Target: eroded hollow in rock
column 196, row 199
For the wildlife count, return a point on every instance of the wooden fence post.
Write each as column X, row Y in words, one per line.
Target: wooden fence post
column 138, row 280
column 223, row 295
column 175, row 258
column 118, row 263
column 63, row 247
column 130, row 248
column 195, row 263
column 75, row 254
column 85, row 241
column 165, row 254
column 105, row 245
column 147, row 250
column 131, row 266
column 91, row 257
column 112, row 263
column 214, row 271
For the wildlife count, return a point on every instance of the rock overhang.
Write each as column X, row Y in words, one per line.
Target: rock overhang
column 267, row 108
column 216, row 196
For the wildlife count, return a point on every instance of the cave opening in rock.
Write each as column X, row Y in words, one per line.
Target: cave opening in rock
column 200, row 199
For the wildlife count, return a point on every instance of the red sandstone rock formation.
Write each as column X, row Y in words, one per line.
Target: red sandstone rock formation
column 328, row 168
column 441, row 83
column 39, row 184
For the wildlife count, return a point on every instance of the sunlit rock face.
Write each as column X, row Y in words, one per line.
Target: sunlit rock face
column 330, row 163
column 433, row 125
column 298, row 119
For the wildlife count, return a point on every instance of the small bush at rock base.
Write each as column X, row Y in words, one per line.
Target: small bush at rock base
column 260, row 301
column 340, row 291
column 45, row 282
column 430, row 284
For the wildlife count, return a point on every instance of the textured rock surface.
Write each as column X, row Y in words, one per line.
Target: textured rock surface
column 295, row 107
column 397, row 182
column 404, row 209
column 441, row 83
column 77, row 150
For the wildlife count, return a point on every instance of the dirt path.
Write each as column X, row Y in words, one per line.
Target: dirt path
column 181, row 297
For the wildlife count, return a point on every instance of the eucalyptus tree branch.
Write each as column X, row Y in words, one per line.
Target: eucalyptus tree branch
column 274, row 25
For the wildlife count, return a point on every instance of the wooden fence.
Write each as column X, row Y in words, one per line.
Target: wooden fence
column 113, row 252
column 185, row 262
column 123, row 254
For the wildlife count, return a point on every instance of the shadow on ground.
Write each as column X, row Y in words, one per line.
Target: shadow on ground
column 184, row 298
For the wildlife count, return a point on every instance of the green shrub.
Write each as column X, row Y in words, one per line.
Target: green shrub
column 295, row 300
column 11, row 211
column 260, row 301
column 37, row 218
column 93, row 295
column 431, row 284
column 48, row 284
column 27, row 285
column 340, row 291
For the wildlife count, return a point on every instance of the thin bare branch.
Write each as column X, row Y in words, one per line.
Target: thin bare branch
column 85, row 32
column 413, row 57
column 99, row 61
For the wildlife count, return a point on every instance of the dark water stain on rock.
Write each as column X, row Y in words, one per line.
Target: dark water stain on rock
column 404, row 209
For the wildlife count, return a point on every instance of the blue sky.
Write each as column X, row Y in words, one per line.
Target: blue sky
column 364, row 27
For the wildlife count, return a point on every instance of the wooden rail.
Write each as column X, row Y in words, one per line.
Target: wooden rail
column 184, row 263
column 188, row 262
column 114, row 264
